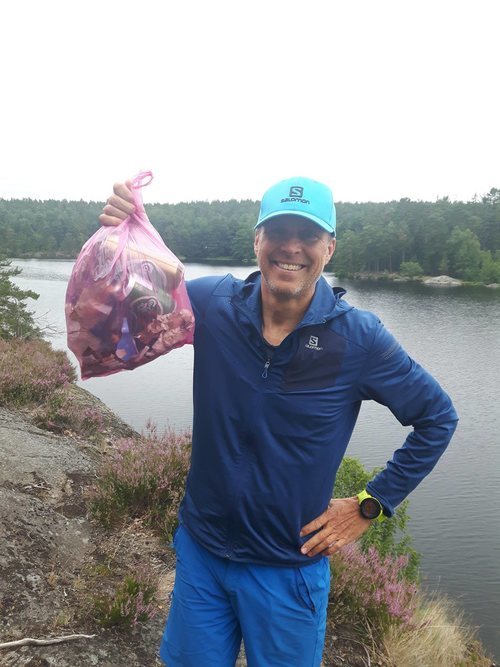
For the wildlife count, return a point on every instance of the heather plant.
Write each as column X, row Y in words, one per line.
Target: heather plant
column 144, row 478
column 132, row 603
column 30, row 370
column 62, row 412
column 389, row 538
column 371, row 590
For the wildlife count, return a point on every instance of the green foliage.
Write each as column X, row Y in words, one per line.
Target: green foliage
column 132, row 603
column 463, row 254
column 62, row 412
column 390, row 537
column 490, row 268
column 410, row 269
column 144, row 478
column 441, row 236
column 30, row 371
column 16, row 320
column 370, row 590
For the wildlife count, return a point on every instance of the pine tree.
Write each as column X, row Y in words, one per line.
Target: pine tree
column 16, row 320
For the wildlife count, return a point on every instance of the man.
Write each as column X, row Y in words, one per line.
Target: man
column 282, row 364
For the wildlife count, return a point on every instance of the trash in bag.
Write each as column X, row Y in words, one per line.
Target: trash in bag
column 126, row 301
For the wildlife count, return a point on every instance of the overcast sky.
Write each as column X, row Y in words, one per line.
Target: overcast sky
column 379, row 99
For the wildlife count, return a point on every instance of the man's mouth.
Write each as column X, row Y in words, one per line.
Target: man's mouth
column 289, row 267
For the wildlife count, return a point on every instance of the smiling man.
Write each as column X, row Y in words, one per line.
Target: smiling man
column 282, row 364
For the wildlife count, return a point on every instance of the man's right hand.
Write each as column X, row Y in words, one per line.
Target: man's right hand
column 119, row 206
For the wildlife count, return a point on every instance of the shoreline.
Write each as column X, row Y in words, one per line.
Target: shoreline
column 374, row 276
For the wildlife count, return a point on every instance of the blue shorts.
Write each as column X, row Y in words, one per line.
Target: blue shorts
column 280, row 612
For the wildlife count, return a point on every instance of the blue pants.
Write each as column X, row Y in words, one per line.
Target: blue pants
column 279, row 612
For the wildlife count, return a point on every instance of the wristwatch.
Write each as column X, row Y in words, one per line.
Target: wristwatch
column 370, row 507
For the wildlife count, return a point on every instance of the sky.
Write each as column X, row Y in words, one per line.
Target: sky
column 379, row 99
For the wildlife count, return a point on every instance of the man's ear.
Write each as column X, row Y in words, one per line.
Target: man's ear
column 332, row 243
column 256, row 239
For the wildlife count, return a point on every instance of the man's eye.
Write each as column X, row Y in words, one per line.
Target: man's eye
column 309, row 236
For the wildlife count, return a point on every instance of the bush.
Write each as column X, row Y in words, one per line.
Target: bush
column 63, row 412
column 30, row 371
column 410, row 269
column 144, row 478
column 132, row 603
column 389, row 538
column 371, row 590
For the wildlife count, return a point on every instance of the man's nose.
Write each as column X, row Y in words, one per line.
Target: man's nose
column 291, row 243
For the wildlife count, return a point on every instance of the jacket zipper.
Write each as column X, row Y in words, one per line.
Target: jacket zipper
column 266, row 366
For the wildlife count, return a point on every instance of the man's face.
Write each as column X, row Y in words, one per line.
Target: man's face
column 291, row 253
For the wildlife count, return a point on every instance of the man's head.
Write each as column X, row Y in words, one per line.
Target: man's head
column 294, row 237
column 299, row 196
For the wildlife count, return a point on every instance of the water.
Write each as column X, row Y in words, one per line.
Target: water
column 455, row 334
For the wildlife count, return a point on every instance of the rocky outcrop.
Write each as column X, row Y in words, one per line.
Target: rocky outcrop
column 50, row 549
column 442, row 281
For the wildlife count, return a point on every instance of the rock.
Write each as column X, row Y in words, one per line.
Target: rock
column 444, row 281
column 493, row 285
column 48, row 544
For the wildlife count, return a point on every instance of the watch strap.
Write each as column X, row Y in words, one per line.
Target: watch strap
column 362, row 495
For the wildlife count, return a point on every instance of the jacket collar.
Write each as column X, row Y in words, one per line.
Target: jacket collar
column 325, row 305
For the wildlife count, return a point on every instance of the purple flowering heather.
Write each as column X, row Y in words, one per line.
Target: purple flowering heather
column 371, row 588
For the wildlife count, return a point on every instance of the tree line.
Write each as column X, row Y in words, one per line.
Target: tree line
column 461, row 239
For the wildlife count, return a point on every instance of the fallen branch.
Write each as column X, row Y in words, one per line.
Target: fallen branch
column 28, row 641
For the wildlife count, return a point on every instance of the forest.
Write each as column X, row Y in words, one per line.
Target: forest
column 412, row 238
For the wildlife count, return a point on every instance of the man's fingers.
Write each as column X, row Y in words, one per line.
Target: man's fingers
column 124, row 191
column 114, row 211
column 316, row 524
column 334, row 547
column 121, row 204
column 109, row 220
column 317, row 543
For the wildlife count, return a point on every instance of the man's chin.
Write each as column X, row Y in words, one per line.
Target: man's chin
column 284, row 291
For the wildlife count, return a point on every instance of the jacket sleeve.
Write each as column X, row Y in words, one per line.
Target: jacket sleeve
column 415, row 398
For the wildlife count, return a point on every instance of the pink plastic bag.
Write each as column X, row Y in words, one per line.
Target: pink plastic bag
column 126, row 302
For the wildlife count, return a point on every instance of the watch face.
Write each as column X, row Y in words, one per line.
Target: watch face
column 370, row 508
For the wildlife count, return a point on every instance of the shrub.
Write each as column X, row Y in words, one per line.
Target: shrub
column 144, row 478
column 31, row 370
column 371, row 589
column 389, row 538
column 132, row 603
column 410, row 269
column 63, row 412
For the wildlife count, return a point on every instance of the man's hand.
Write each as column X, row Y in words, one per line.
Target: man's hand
column 339, row 525
column 119, row 206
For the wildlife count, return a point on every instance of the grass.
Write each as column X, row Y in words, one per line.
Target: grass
column 438, row 637
column 398, row 624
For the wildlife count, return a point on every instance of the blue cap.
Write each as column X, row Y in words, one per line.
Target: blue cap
column 299, row 196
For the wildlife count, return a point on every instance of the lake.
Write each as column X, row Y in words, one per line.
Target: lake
column 455, row 334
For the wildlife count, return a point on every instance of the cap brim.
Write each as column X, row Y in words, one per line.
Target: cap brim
column 298, row 214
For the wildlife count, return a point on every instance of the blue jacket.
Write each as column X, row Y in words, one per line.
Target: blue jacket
column 271, row 426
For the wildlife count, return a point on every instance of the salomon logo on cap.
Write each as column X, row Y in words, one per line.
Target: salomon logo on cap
column 299, row 196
